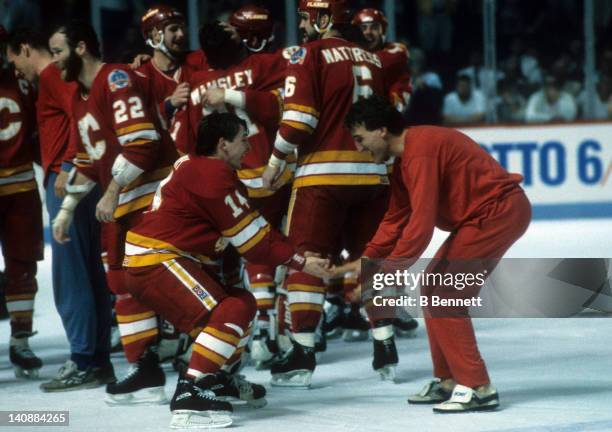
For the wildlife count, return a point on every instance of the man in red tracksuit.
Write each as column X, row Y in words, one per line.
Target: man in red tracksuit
column 446, row 180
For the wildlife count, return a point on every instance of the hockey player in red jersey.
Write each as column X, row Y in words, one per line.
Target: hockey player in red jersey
column 166, row 73
column 446, row 180
column 234, row 69
column 79, row 284
column 20, row 216
column 197, row 211
column 337, row 190
column 393, row 55
column 122, row 148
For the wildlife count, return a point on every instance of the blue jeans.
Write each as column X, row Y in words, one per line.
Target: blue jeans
column 79, row 282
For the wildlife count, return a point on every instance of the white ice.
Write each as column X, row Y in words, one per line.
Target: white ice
column 552, row 374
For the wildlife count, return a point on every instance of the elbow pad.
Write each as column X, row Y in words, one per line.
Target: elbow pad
column 124, row 172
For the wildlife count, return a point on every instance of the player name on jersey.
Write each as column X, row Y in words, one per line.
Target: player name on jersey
column 236, row 80
column 353, row 54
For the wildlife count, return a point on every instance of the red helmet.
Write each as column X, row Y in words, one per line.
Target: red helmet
column 369, row 15
column 158, row 17
column 338, row 9
column 251, row 20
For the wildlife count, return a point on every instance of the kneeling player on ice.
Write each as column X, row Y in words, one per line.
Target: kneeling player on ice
column 446, row 180
column 197, row 211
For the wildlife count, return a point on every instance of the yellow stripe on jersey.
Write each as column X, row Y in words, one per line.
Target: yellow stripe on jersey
column 136, row 204
column 136, row 143
column 336, row 156
column 136, row 317
column 7, row 172
column 15, row 188
column 303, row 108
column 296, row 125
column 231, row 232
column 254, row 240
column 341, row 180
column 134, row 128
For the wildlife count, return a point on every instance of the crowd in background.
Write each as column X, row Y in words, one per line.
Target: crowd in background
column 540, row 51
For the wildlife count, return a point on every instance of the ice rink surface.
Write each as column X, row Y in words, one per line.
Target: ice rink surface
column 552, row 374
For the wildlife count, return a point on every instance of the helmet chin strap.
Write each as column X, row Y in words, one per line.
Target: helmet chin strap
column 161, row 46
column 261, row 46
column 325, row 30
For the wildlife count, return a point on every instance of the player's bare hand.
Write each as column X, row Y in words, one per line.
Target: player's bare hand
column 60, row 184
column 105, row 208
column 270, row 177
column 317, row 267
column 353, row 267
column 180, row 96
column 214, row 97
column 139, row 60
column 60, row 226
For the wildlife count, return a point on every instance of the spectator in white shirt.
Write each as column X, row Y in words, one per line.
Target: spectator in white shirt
column 602, row 105
column 465, row 105
column 550, row 104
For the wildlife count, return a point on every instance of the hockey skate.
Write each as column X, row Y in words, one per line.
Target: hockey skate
column 23, row 359
column 295, row 368
column 264, row 350
column 234, row 387
column 405, row 327
column 334, row 317
column 143, row 384
column 195, row 406
column 385, row 358
column 433, row 393
column 356, row 326
column 465, row 399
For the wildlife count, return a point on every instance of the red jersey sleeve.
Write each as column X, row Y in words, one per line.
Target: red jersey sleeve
column 421, row 177
column 394, row 221
column 301, row 110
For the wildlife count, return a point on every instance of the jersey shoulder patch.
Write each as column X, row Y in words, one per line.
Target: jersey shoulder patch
column 298, row 56
column 118, row 79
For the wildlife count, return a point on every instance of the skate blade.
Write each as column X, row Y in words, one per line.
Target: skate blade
column 257, row 403
column 355, row 335
column 405, row 334
column 26, row 373
column 148, row 396
column 186, row 419
column 387, row 373
column 298, row 378
column 335, row 333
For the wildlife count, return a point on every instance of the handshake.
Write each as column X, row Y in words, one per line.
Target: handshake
column 322, row 268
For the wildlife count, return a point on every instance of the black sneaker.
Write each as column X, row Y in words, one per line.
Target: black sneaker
column 196, row 406
column 233, row 386
column 385, row 358
column 295, row 368
column 71, row 378
column 143, row 384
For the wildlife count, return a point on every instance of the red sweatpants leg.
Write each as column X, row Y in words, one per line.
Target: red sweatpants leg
column 452, row 340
